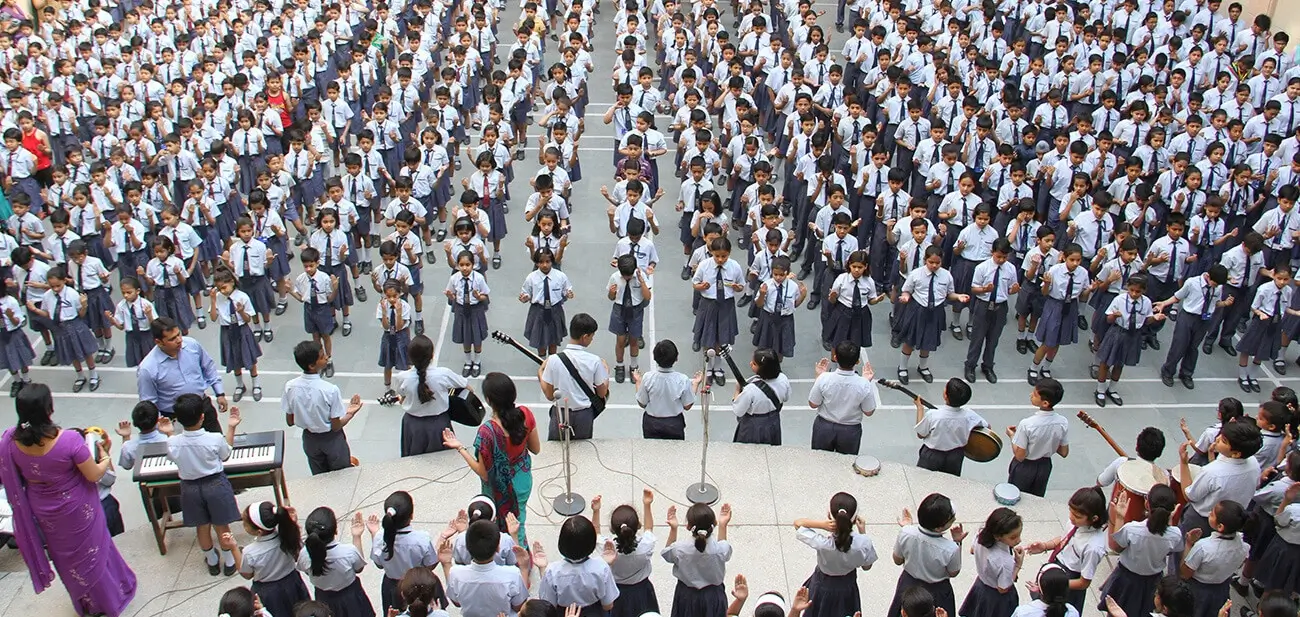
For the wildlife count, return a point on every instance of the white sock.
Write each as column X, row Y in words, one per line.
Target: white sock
column 1037, row 367
column 25, row 376
column 469, row 358
column 1047, row 364
column 239, row 379
column 1101, row 387
column 257, row 381
column 1242, row 373
column 227, row 558
column 632, row 363
column 419, row 316
column 924, row 362
column 903, row 360
column 474, row 355
column 80, row 375
column 1114, row 386
column 210, row 556
column 94, row 374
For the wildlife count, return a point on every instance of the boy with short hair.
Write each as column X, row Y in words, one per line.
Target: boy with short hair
column 1036, row 438
column 317, row 406
column 207, row 499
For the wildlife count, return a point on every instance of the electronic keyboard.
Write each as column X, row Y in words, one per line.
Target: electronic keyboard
column 252, row 452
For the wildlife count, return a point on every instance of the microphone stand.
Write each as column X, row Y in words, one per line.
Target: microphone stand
column 703, row 492
column 567, row 503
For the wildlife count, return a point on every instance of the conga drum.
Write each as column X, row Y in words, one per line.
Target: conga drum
column 1179, row 488
column 1134, row 479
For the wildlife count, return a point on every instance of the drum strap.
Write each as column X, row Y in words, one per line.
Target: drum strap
column 1064, row 543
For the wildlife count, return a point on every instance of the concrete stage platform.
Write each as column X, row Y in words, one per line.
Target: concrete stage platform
column 768, row 487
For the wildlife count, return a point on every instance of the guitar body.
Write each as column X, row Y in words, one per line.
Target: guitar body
column 982, row 445
column 597, row 402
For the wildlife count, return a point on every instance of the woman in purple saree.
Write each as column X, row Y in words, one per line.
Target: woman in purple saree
column 49, row 478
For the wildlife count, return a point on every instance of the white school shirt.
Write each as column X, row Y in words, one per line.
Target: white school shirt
column 699, row 569
column 88, row 275
column 331, row 252
column 984, row 274
column 165, row 275
column 185, row 239
column 342, row 563
column 927, row 556
column 1041, row 434
column 663, row 393
column 831, row 561
column 918, row 284
column 323, row 289
column 783, row 294
column 634, row 567
column 133, row 316
column 978, row 242
column 537, row 284
column 63, row 306
column 843, row 397
column 1216, row 558
column 845, row 284
column 1223, row 478
column 622, row 287
column 57, row 245
column 1287, row 223
column 752, row 401
column 1146, row 553
column 249, row 258
column 1133, row 314
column 1037, row 608
column 1272, row 301
column 948, row 428
column 121, row 239
column 1061, row 277
column 1288, row 524
column 476, row 284
column 588, row 365
column 996, row 565
column 707, row 271
column 643, row 250
column 403, row 241
column 241, row 304
column 1084, row 552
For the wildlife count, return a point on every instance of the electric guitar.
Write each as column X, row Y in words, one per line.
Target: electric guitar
column 597, row 402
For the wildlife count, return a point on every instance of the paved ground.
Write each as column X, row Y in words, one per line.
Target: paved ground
column 374, row 433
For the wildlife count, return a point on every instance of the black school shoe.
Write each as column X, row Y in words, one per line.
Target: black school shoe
column 1099, row 398
column 620, row 374
column 1021, row 347
column 1115, row 398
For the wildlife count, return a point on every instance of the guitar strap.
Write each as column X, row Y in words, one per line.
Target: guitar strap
column 582, row 383
column 767, row 391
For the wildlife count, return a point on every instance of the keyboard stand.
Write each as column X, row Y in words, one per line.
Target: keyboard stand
column 157, row 494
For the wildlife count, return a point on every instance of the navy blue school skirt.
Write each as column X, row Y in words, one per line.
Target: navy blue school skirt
column 138, row 345
column 239, row 349
column 762, row 429
column 985, row 601
column 775, row 332
column 351, row 601
column 941, row 591
column 16, row 353
column 283, row 594
column 392, row 349
column 1279, row 568
column 1262, row 340
column 1057, row 323
column 174, row 302
column 922, row 326
column 545, row 327
column 715, row 323
column 470, row 324
column 1134, row 593
column 833, row 596
column 1209, row 598
column 73, row 341
column 709, row 601
column 1120, row 347
column 260, row 293
column 635, row 600
column 849, row 324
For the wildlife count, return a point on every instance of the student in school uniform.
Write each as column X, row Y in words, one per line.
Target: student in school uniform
column 74, row 343
column 332, row 566
column 850, row 296
column 992, row 284
column 925, row 291
column 1035, row 439
column 665, row 394
column 1144, row 548
column 1278, row 566
column 233, row 311
column 394, row 316
column 16, row 352
column 396, row 547
column 485, row 588
column 944, row 431
column 270, row 561
column 1199, row 299
column 841, row 552
column 423, row 393
column 316, row 405
column 718, row 280
column 1122, row 345
column 559, row 376
column 1053, row 591
column 579, row 579
column 778, row 296
column 1063, row 285
column 842, row 398
column 317, row 291
column 1211, row 561
column 998, row 559
column 545, row 290
column 1262, row 340
column 1232, row 475
column 929, row 560
column 207, row 499
column 633, row 542
column 630, row 292
column 89, row 276
column 699, row 561
column 467, row 293
column 758, row 402
column 1263, row 528
column 1082, row 548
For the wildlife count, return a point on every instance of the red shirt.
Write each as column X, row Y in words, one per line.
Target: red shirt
column 513, row 451
column 33, row 145
column 281, row 103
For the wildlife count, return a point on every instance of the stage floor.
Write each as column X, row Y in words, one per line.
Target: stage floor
column 768, row 488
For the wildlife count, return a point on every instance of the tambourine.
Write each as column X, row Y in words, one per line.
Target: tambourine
column 93, row 435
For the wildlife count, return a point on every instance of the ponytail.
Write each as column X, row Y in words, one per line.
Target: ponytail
column 398, row 509
column 500, row 392
column 843, row 508
column 1160, row 506
column 1054, row 587
column 321, row 528
column 287, row 530
column 625, row 524
column 701, row 520
column 422, row 592
column 421, row 354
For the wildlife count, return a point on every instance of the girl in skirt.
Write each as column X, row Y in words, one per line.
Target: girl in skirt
column 399, row 549
column 998, row 558
column 699, row 561
column 1128, row 314
column 850, row 297
column 270, row 560
column 922, row 321
column 1270, row 305
column 1262, row 529
column 1110, row 283
column 833, row 586
column 334, row 252
column 200, row 212
column 1079, row 551
column 168, row 276
column 1279, row 567
column 1144, row 548
column 434, row 154
column 73, row 341
column 133, row 315
column 186, row 242
column 16, row 353
column 778, row 297
column 1053, row 589
column 248, row 258
column 394, row 316
column 1063, row 284
column 90, row 277
column 1211, row 562
column 268, row 228
column 924, row 540
column 129, row 244
column 718, row 280
column 233, row 310
column 341, row 592
column 548, row 235
column 467, row 293
column 422, row 594
column 758, row 403
column 417, row 392
column 490, row 185
column 544, row 291
column 580, row 578
column 633, row 548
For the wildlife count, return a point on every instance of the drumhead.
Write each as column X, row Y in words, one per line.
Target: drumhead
column 1138, row 476
column 1006, row 494
column 866, row 465
column 983, row 445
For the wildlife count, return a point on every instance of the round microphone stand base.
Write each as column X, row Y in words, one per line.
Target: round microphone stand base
column 702, row 492
column 569, row 504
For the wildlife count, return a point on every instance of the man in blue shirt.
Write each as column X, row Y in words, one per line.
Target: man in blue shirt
column 177, row 365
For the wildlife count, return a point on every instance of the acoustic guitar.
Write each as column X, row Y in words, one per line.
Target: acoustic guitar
column 597, row 402
column 1094, row 425
column 983, row 444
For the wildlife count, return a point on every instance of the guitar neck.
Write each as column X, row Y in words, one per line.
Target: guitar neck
column 1115, row 446
column 735, row 370
column 509, row 340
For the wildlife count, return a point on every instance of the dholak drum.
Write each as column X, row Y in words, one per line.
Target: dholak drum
column 1179, row 488
column 867, row 466
column 1006, row 494
column 983, row 445
column 1135, row 478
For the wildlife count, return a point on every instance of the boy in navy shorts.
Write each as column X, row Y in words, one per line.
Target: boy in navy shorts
column 207, row 499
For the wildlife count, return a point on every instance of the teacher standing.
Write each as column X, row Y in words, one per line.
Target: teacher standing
column 50, row 480
column 177, row 365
